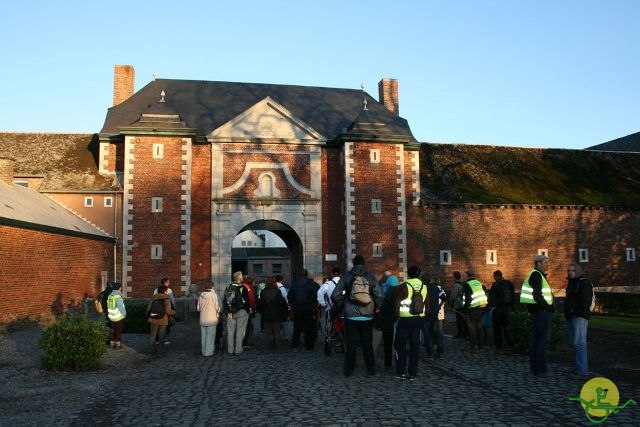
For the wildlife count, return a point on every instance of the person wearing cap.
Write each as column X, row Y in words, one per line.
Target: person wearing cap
column 116, row 312
column 475, row 302
column 388, row 317
column 536, row 293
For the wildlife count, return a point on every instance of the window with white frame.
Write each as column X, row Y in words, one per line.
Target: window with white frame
column 156, row 251
column 631, row 254
column 108, row 202
column 374, row 156
column 377, row 250
column 376, row 206
column 492, row 256
column 156, row 204
column 88, row 202
column 445, row 257
column 158, row 151
column 543, row 252
column 583, row 255
column 276, row 268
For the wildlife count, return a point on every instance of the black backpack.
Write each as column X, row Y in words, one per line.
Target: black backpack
column 157, row 309
column 233, row 301
column 417, row 302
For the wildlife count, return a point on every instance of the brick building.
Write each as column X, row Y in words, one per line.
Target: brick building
column 335, row 172
column 50, row 259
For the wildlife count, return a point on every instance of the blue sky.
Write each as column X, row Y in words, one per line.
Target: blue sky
column 557, row 73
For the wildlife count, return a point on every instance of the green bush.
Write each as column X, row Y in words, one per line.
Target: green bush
column 73, row 343
column 618, row 303
column 520, row 330
column 136, row 320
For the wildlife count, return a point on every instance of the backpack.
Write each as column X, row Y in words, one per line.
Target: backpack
column 233, row 301
column 417, row 302
column 360, row 291
column 157, row 309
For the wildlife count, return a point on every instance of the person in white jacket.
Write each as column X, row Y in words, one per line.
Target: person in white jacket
column 324, row 298
column 209, row 308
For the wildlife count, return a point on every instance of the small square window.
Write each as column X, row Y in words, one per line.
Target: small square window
column 108, row 202
column 445, row 257
column 376, row 206
column 156, row 204
column 377, row 250
column 543, row 252
column 156, row 251
column 276, row 269
column 583, row 255
column 374, row 156
column 492, row 256
column 158, row 151
column 257, row 268
column 88, row 202
column 631, row 254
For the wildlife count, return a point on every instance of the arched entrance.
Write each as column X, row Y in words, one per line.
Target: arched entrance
column 296, row 222
column 242, row 258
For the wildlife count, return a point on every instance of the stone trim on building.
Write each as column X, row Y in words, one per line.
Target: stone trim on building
column 349, row 202
column 185, row 227
column 402, row 212
column 127, row 214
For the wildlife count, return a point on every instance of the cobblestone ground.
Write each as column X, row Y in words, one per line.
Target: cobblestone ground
column 261, row 387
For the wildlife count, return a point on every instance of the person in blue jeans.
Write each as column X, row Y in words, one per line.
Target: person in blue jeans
column 577, row 307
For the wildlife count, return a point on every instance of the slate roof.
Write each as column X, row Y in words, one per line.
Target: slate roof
column 625, row 143
column 455, row 173
column 67, row 161
column 28, row 208
column 206, row 105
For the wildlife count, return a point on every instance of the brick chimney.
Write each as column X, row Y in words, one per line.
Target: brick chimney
column 388, row 95
column 123, row 81
column 7, row 166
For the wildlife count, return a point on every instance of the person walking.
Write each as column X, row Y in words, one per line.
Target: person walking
column 171, row 319
column 536, row 293
column 303, row 300
column 388, row 318
column 501, row 298
column 324, row 298
column 358, row 293
column 116, row 312
column 457, row 304
column 209, row 308
column 410, row 324
column 273, row 310
column 432, row 325
column 577, row 307
column 236, row 307
column 475, row 302
column 159, row 310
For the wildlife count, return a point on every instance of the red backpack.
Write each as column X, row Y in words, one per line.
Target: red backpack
column 253, row 302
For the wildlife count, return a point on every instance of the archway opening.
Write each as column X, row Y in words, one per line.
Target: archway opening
column 260, row 260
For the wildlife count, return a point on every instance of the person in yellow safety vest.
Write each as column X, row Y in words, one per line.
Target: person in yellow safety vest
column 116, row 312
column 475, row 302
column 536, row 293
column 410, row 324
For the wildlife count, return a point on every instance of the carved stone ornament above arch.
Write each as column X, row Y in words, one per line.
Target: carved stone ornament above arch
column 265, row 165
column 266, row 121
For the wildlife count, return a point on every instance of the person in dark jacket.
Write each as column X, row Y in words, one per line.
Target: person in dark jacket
column 302, row 300
column 501, row 298
column 432, row 331
column 273, row 310
column 104, row 295
column 577, row 306
column 358, row 324
column 388, row 318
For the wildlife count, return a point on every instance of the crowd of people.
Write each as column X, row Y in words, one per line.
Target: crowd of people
column 347, row 307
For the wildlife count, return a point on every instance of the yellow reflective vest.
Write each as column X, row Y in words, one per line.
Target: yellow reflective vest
column 526, row 294
column 478, row 295
column 413, row 285
column 114, row 313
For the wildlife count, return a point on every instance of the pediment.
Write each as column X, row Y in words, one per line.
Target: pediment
column 267, row 120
